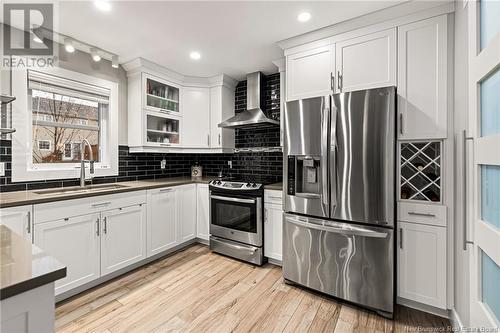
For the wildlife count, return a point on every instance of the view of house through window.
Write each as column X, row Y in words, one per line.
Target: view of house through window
column 62, row 118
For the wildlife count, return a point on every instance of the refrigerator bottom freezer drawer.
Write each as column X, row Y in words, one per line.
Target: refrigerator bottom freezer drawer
column 354, row 263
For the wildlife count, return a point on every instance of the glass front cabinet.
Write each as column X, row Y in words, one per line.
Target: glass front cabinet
column 161, row 106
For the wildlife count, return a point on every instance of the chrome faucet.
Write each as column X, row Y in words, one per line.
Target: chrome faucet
column 84, row 143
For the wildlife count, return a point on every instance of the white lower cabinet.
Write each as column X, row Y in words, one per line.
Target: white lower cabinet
column 422, row 263
column 123, row 237
column 162, row 220
column 18, row 219
column 75, row 242
column 186, row 206
column 273, row 231
column 202, row 212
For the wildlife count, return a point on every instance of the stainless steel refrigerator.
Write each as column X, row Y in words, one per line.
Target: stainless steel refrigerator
column 339, row 170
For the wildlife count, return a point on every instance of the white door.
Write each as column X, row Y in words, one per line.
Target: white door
column 202, row 212
column 186, row 205
column 74, row 242
column 422, row 263
column 162, row 220
column 18, row 219
column 123, row 237
column 423, row 79
column 273, row 231
column 367, row 62
column 196, row 117
column 484, row 128
column 309, row 73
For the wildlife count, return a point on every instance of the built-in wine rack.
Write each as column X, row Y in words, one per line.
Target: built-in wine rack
column 420, row 171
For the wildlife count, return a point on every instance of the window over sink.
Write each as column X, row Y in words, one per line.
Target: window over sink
column 56, row 110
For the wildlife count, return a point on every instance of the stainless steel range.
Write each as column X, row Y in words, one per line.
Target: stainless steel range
column 236, row 223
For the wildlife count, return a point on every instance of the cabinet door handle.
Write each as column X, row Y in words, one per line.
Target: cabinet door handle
column 105, row 225
column 422, row 214
column 339, row 81
column 208, row 139
column 97, row 227
column 219, row 139
column 28, row 227
column 401, row 123
column 265, row 214
column 332, row 81
column 401, row 238
column 101, row 204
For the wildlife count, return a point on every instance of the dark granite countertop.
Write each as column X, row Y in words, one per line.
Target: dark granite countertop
column 275, row 186
column 19, row 198
column 24, row 266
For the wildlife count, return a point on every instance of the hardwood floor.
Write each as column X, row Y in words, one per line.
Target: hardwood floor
column 195, row 290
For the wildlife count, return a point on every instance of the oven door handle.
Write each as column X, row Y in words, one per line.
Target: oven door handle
column 250, row 201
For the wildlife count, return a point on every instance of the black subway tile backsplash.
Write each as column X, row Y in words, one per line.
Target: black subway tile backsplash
column 261, row 167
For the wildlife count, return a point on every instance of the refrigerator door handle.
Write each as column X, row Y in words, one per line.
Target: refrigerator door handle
column 324, row 159
column 339, row 228
column 333, row 152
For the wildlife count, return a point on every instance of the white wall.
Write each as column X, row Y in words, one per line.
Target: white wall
column 81, row 62
column 461, row 257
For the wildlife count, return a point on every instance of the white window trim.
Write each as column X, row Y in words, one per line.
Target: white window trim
column 23, row 168
column 38, row 143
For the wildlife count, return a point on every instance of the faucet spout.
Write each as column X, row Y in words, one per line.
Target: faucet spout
column 85, row 143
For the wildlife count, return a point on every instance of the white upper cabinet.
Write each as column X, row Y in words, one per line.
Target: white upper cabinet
column 123, row 237
column 366, row 62
column 75, row 242
column 170, row 112
column 161, row 220
column 221, row 108
column 18, row 219
column 309, row 73
column 422, row 79
column 186, row 205
column 422, row 263
column 196, row 117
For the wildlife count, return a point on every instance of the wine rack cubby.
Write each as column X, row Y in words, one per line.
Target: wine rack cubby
column 420, row 171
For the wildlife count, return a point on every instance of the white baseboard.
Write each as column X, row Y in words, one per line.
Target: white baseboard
column 456, row 322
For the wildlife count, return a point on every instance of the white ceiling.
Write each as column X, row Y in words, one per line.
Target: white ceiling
column 233, row 37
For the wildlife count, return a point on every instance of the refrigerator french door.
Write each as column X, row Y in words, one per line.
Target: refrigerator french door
column 339, row 165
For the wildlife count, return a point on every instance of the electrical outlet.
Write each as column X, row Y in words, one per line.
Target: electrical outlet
column 163, row 164
column 230, row 163
column 2, row 169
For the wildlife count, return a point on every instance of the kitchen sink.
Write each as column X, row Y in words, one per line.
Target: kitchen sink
column 86, row 189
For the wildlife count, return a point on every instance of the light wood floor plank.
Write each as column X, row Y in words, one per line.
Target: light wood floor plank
column 195, row 290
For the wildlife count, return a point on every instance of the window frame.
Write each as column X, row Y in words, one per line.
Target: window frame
column 23, row 168
column 38, row 144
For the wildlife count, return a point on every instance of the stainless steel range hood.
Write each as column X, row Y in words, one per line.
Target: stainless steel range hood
column 253, row 116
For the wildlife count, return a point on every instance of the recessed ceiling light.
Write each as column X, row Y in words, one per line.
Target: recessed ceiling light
column 195, row 55
column 304, row 17
column 103, row 5
column 68, row 45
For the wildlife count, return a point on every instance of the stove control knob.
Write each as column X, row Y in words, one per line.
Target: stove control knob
column 248, row 185
column 219, row 182
column 254, row 185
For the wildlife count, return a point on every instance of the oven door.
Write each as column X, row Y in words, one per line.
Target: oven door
column 236, row 218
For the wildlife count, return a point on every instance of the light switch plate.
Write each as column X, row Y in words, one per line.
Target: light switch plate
column 163, row 164
column 230, row 163
column 2, row 168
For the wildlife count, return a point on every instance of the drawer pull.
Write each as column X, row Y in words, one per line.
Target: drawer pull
column 271, row 197
column 101, row 204
column 422, row 214
column 166, row 190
